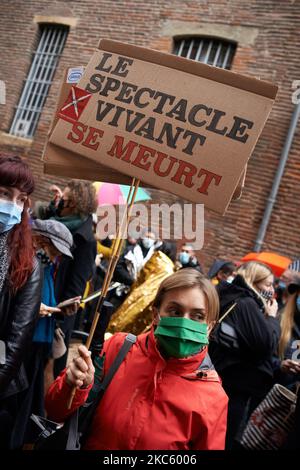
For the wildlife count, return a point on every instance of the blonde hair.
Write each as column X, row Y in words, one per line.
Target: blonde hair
column 253, row 273
column 187, row 278
column 286, row 323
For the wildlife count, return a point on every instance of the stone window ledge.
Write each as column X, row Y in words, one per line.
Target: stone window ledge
column 243, row 35
column 54, row 19
column 14, row 140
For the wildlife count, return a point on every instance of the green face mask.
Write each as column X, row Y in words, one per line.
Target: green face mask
column 181, row 337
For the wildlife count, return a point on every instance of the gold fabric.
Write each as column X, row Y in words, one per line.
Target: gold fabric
column 135, row 314
column 105, row 250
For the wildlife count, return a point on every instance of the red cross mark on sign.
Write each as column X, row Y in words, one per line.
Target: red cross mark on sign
column 75, row 104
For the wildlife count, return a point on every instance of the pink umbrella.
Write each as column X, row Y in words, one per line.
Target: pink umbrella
column 110, row 193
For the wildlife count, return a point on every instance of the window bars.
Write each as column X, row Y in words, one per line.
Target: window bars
column 40, row 76
column 209, row 51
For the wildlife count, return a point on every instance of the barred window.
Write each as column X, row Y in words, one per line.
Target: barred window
column 215, row 52
column 50, row 45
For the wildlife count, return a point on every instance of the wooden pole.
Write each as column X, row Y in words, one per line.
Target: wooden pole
column 117, row 247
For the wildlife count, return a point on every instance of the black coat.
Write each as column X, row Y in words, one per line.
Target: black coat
column 121, row 273
column 18, row 315
column 250, row 368
column 73, row 274
column 193, row 264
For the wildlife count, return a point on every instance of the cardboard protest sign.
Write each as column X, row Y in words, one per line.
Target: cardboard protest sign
column 175, row 124
column 61, row 162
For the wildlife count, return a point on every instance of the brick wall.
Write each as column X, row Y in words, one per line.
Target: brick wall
column 268, row 47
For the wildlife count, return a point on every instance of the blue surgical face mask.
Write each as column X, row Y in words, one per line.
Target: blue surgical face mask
column 148, row 242
column 184, row 257
column 230, row 279
column 298, row 303
column 10, row 215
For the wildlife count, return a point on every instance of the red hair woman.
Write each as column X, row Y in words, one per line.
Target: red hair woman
column 20, row 291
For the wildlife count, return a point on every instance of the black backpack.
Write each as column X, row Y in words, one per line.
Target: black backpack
column 223, row 334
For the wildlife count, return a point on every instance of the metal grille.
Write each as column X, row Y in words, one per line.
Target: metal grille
column 209, row 51
column 36, row 86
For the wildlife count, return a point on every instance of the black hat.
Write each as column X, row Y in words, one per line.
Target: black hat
column 216, row 266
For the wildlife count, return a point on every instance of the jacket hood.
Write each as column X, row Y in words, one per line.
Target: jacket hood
column 195, row 367
column 238, row 289
column 181, row 366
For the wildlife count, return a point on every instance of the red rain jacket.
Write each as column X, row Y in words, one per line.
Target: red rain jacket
column 151, row 403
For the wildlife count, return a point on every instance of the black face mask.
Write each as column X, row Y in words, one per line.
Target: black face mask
column 266, row 295
column 60, row 207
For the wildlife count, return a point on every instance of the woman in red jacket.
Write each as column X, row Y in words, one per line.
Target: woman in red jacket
column 166, row 393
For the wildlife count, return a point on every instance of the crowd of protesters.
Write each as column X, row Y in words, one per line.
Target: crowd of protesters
column 182, row 385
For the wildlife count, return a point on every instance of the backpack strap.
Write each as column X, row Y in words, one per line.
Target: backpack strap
column 227, row 312
column 73, row 435
column 128, row 343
